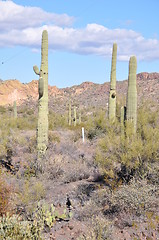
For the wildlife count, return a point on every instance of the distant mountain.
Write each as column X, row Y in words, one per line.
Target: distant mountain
column 87, row 94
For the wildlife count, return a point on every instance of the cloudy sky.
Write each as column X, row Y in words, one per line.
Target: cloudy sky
column 81, row 36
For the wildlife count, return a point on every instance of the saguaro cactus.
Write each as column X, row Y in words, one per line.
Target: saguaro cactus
column 69, row 114
column 122, row 120
column 112, row 93
column 75, row 117
column 131, row 105
column 42, row 128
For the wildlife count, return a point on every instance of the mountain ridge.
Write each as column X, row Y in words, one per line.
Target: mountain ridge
column 11, row 90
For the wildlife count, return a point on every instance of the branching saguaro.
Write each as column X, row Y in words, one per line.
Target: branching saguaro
column 112, row 93
column 42, row 128
column 131, row 105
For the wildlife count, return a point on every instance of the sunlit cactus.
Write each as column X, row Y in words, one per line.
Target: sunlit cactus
column 112, row 93
column 131, row 105
column 42, row 128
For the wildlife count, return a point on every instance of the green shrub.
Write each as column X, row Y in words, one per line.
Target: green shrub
column 15, row 228
column 138, row 196
column 101, row 229
column 57, row 120
column 122, row 158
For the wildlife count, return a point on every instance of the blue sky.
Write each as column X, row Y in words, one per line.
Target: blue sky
column 81, row 36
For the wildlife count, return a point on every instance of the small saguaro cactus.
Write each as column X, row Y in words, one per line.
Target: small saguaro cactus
column 122, row 120
column 131, row 105
column 112, row 93
column 75, row 117
column 69, row 114
column 42, row 128
column 15, row 109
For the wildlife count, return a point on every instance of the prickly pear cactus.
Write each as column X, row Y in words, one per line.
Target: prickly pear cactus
column 42, row 128
column 112, row 93
column 131, row 105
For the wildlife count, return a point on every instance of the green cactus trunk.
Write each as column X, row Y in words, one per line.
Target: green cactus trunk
column 112, row 93
column 122, row 120
column 75, row 117
column 15, row 110
column 131, row 105
column 42, row 128
column 69, row 114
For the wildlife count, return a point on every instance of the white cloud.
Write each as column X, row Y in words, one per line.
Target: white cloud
column 24, row 25
column 13, row 16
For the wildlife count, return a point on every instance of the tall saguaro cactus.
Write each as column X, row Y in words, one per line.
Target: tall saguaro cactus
column 131, row 105
column 112, row 93
column 42, row 128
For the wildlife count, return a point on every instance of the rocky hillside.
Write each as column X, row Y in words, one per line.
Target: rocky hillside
column 87, row 94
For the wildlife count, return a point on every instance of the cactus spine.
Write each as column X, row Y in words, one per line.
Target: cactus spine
column 69, row 114
column 131, row 105
column 112, row 93
column 42, row 128
column 15, row 109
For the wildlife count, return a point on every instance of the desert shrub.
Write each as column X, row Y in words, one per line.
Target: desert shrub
column 100, row 229
column 98, row 125
column 53, row 137
column 138, row 197
column 5, row 196
column 30, row 193
column 2, row 109
column 32, row 144
column 26, row 123
column 16, row 228
column 123, row 158
column 57, row 120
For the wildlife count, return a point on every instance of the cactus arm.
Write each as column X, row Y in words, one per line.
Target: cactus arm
column 36, row 70
column 41, row 87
